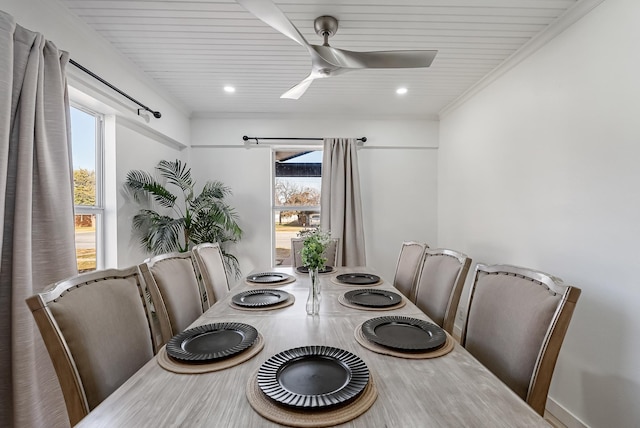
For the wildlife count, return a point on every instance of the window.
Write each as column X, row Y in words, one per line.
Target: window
column 87, row 142
column 296, row 198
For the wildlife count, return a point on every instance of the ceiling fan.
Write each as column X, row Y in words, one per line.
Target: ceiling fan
column 327, row 61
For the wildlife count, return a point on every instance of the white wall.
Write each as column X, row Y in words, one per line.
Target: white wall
column 540, row 169
column 397, row 174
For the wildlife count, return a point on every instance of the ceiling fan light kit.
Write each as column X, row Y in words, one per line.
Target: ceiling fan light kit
column 327, row 61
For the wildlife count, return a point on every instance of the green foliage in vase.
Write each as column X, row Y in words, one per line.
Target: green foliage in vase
column 313, row 247
column 186, row 219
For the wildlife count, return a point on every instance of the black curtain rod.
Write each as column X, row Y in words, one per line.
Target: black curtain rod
column 156, row 114
column 245, row 138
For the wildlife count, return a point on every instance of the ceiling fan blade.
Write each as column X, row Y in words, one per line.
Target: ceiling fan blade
column 375, row 59
column 297, row 91
column 271, row 15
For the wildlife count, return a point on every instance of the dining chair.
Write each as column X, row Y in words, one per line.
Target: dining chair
column 210, row 263
column 439, row 284
column 407, row 267
column 516, row 322
column 97, row 331
column 175, row 291
column 331, row 252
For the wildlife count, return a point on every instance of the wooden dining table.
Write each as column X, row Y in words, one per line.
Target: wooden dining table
column 453, row 390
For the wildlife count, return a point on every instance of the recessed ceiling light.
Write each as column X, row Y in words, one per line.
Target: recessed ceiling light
column 401, row 91
column 229, row 89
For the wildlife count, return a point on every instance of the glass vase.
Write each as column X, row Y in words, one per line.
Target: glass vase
column 313, row 301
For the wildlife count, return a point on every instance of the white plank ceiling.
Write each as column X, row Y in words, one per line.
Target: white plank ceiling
column 194, row 48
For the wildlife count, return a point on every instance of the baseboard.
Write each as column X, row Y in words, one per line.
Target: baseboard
column 565, row 417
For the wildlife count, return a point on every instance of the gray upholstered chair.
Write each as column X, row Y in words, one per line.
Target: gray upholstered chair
column 439, row 285
column 516, row 322
column 407, row 267
column 210, row 263
column 97, row 331
column 175, row 291
column 331, row 252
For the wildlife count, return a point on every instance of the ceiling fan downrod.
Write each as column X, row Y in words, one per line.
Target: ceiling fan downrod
column 325, row 26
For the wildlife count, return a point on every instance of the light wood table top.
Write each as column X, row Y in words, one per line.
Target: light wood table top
column 453, row 390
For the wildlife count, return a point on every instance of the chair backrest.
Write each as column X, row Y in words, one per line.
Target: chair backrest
column 439, row 285
column 407, row 267
column 516, row 322
column 97, row 331
column 210, row 262
column 175, row 291
column 331, row 253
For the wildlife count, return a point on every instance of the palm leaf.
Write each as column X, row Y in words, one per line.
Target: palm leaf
column 157, row 233
column 221, row 219
column 177, row 174
column 215, row 189
column 143, row 186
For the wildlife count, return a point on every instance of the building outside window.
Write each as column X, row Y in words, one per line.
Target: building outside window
column 87, row 137
column 296, row 200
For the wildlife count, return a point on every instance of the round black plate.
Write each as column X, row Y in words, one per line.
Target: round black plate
column 268, row 277
column 211, row 342
column 304, row 269
column 358, row 278
column 409, row 334
column 373, row 298
column 313, row 377
column 257, row 298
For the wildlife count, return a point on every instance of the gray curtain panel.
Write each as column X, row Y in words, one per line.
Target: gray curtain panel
column 340, row 199
column 36, row 205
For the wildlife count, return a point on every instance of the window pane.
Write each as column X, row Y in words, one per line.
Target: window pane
column 86, row 242
column 297, row 183
column 86, row 142
column 83, row 138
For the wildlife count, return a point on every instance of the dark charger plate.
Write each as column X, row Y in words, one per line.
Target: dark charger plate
column 268, row 277
column 211, row 342
column 259, row 298
column 404, row 333
column 373, row 298
column 313, row 377
column 304, row 269
column 358, row 278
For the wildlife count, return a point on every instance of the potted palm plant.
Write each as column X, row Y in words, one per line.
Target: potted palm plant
column 174, row 218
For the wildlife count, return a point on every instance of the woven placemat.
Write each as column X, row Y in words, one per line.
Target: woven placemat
column 280, row 305
column 309, row 418
column 448, row 346
column 334, row 279
column 344, row 302
column 168, row 363
column 289, row 280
